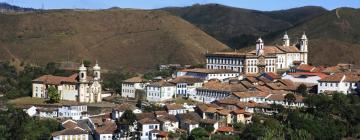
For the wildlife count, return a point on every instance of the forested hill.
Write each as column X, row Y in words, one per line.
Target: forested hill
column 239, row 27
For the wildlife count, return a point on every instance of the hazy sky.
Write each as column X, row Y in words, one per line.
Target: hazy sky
column 152, row 4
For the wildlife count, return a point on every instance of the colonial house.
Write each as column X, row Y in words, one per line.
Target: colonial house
column 77, row 87
column 129, row 86
column 105, row 130
column 174, row 109
column 304, row 77
column 188, row 121
column 168, row 123
column 71, row 130
column 119, row 110
column 75, row 112
column 214, row 90
column 160, row 91
column 263, row 58
column 145, row 126
column 186, row 85
column 341, row 82
column 208, row 74
column 280, row 100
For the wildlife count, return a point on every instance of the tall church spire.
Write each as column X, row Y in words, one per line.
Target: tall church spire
column 286, row 40
column 259, row 46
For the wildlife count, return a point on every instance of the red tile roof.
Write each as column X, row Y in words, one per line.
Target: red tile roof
column 225, row 129
column 56, row 80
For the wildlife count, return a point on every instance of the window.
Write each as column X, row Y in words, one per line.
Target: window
column 151, row 127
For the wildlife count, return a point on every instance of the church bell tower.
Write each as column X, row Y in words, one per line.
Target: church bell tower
column 304, row 48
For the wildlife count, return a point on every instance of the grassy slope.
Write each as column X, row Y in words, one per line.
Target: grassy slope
column 119, row 39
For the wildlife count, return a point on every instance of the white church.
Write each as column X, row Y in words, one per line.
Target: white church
column 263, row 58
column 78, row 87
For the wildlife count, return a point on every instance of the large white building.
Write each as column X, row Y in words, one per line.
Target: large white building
column 160, row 91
column 263, row 58
column 77, row 87
column 129, row 86
column 341, row 82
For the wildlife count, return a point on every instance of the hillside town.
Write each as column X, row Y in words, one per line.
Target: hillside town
column 231, row 88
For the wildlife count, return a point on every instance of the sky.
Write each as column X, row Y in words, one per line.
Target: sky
column 264, row 5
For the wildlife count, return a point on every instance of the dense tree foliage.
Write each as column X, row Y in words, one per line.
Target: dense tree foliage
column 54, row 96
column 17, row 125
column 302, row 89
column 163, row 73
column 327, row 117
column 17, row 83
column 113, row 80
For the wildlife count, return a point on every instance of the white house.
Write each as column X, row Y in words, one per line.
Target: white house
column 160, row 91
column 105, row 131
column 71, row 133
column 168, row 123
column 77, row 87
column 186, row 85
column 75, row 112
column 31, row 111
column 174, row 109
column 129, row 86
column 304, row 77
column 145, row 126
column 341, row 82
column 208, row 74
column 214, row 90
column 121, row 108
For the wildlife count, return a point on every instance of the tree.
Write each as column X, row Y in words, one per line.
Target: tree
column 53, row 93
column 209, row 128
column 302, row 89
column 125, row 122
column 198, row 133
column 290, row 98
column 87, row 63
column 239, row 126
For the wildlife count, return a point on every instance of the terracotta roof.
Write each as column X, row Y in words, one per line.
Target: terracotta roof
column 56, row 80
column 263, row 88
column 222, row 112
column 251, row 94
column 247, row 84
column 124, row 106
column 227, row 101
column 137, row 79
column 69, row 124
column 319, row 74
column 186, row 79
column 252, row 104
column 167, row 117
column 281, row 97
column 160, row 113
column 190, row 117
column 174, row 106
column 162, row 134
column 162, row 83
column 225, row 129
column 277, row 86
column 333, row 78
column 208, row 121
column 69, row 131
column 207, row 107
column 107, row 127
column 238, row 111
column 231, row 87
column 227, row 54
column 305, row 68
column 209, row 71
column 141, row 116
column 148, row 121
column 268, row 50
column 290, row 84
column 273, row 75
column 288, row 49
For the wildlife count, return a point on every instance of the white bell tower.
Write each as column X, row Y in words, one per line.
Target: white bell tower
column 259, row 46
column 304, row 48
column 82, row 84
column 286, row 40
column 96, row 85
column 96, row 70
